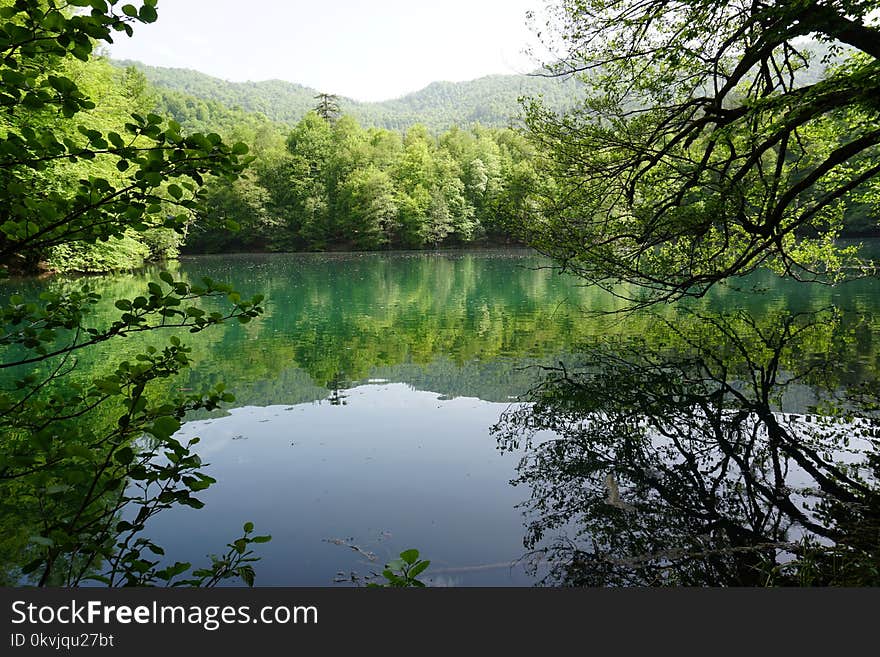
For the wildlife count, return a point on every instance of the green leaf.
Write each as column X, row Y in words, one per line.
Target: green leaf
column 178, row 568
column 164, row 427
column 80, row 451
column 410, row 556
column 247, row 574
column 154, row 178
column 32, row 566
column 148, row 14
column 124, row 456
column 419, row 568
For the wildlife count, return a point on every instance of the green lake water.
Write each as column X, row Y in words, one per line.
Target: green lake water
column 367, row 393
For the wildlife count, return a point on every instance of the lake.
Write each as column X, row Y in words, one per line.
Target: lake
column 380, row 398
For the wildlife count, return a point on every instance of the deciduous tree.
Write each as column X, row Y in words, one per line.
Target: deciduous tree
column 714, row 139
column 74, row 455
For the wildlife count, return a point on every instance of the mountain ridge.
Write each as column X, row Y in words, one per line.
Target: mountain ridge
column 490, row 100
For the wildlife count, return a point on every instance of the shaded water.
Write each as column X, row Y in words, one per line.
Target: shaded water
column 367, row 395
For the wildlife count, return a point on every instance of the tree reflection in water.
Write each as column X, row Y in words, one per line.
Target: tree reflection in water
column 716, row 451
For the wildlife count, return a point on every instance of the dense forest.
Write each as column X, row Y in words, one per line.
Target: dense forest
column 117, row 95
column 339, row 186
column 438, row 168
column 326, row 182
column 321, row 183
column 491, row 101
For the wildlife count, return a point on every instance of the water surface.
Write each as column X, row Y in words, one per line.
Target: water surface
column 367, row 394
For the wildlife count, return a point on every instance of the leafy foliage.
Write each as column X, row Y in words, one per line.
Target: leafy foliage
column 121, row 184
column 83, row 466
column 403, row 572
column 340, row 186
column 703, row 151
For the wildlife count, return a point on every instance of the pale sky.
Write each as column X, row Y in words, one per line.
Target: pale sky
column 367, row 50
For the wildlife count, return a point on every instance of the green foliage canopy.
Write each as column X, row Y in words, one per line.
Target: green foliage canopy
column 339, row 186
column 703, row 151
column 36, row 215
column 66, row 472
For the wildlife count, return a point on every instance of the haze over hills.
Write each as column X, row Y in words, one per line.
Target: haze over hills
column 490, row 101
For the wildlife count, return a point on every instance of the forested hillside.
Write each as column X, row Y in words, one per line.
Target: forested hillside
column 336, row 185
column 440, row 167
column 491, row 101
